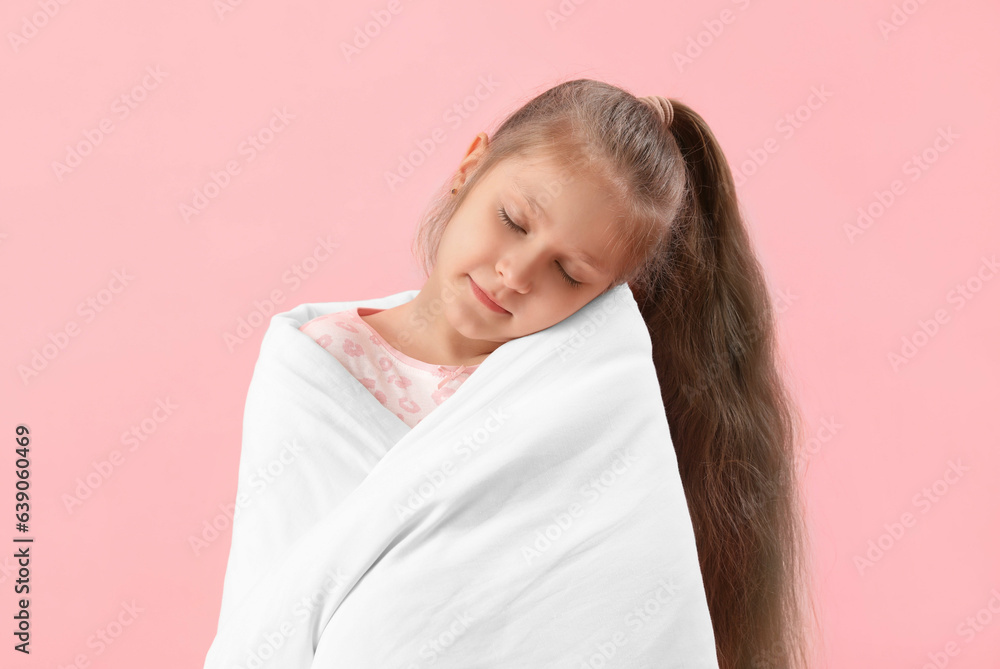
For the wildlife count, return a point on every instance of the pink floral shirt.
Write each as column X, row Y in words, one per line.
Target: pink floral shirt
column 406, row 386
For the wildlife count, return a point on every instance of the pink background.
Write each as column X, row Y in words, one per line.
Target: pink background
column 881, row 436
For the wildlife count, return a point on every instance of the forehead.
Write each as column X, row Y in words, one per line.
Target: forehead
column 551, row 186
column 538, row 172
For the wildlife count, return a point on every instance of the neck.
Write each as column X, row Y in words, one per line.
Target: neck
column 421, row 330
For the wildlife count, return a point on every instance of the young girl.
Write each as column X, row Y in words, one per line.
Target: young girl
column 581, row 189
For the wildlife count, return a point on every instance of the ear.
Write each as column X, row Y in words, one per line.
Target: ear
column 473, row 155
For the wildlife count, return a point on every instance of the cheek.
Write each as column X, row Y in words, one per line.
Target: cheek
column 483, row 230
column 481, row 238
column 458, row 242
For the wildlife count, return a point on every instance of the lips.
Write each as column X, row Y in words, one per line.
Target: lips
column 484, row 294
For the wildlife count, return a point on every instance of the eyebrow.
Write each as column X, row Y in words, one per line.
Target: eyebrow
column 539, row 212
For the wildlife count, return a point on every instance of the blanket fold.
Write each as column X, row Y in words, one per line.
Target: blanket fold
column 536, row 518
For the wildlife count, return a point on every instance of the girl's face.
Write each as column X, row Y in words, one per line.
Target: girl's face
column 556, row 260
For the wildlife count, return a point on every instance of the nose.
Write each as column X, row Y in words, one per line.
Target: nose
column 515, row 271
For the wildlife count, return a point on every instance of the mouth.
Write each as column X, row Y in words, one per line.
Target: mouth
column 485, row 298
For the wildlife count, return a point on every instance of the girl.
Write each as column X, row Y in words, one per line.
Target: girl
column 583, row 188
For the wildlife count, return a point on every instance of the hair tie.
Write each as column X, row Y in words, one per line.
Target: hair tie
column 661, row 106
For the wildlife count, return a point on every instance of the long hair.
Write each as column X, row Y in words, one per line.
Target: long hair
column 689, row 262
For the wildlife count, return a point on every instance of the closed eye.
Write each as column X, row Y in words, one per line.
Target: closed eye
column 513, row 226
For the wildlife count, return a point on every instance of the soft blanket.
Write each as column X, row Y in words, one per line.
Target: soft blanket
column 535, row 519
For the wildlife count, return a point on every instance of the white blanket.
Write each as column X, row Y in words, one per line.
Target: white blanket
column 535, row 519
